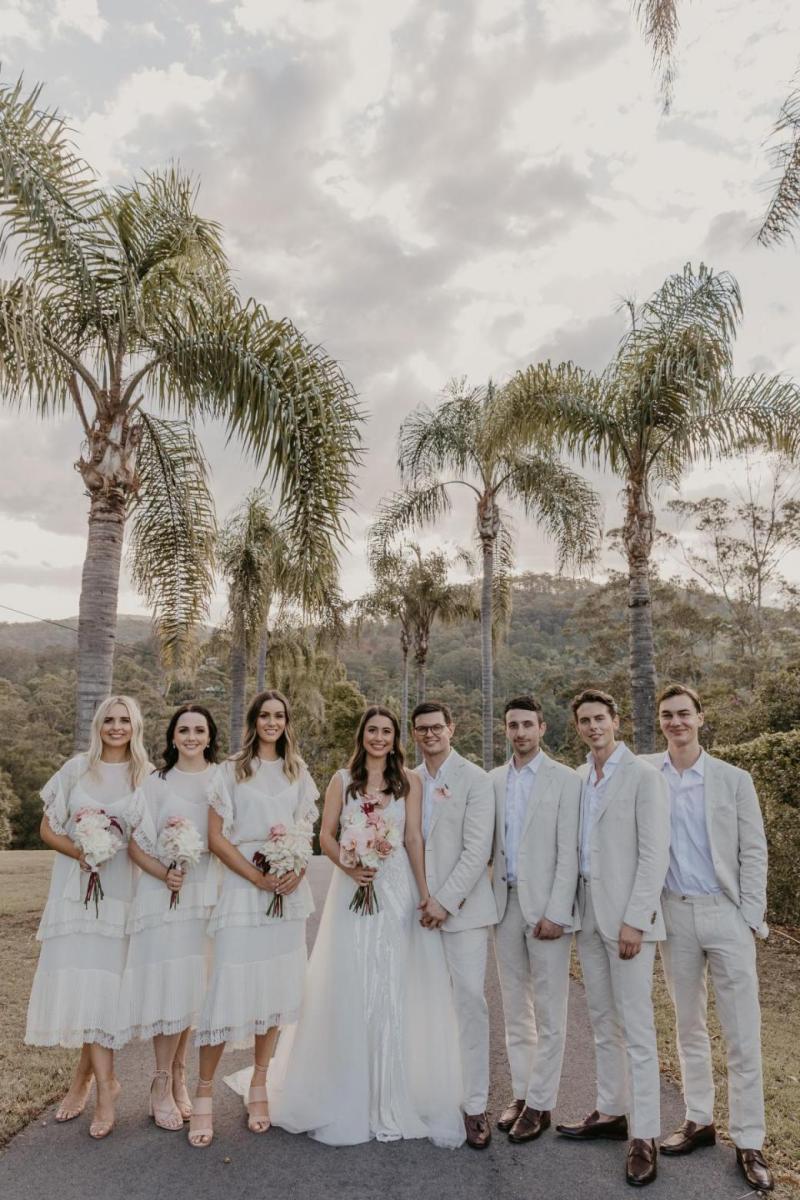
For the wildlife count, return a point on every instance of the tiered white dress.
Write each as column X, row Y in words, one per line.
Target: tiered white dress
column 259, row 961
column 168, row 953
column 75, row 995
column 375, row 1052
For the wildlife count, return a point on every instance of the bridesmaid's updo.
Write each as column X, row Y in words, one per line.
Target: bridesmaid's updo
column 170, row 754
column 394, row 774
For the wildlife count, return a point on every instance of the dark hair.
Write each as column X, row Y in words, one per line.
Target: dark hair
column 594, row 696
column 170, row 750
column 428, row 706
column 286, row 746
column 394, row 776
column 526, row 704
column 680, row 689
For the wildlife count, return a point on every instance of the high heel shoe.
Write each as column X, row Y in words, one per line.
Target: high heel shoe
column 180, row 1092
column 257, row 1095
column 200, row 1122
column 101, row 1129
column 165, row 1115
column 68, row 1112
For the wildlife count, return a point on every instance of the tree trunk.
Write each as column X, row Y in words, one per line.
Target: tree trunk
column 263, row 653
column 422, row 678
column 488, row 529
column 637, row 535
column 108, row 471
column 238, row 680
column 404, row 705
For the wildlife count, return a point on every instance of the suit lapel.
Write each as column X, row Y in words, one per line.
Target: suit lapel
column 541, row 780
column 500, row 792
column 710, row 791
column 451, row 779
column 615, row 784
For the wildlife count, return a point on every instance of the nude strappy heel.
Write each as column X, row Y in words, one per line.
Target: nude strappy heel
column 200, row 1122
column 257, row 1095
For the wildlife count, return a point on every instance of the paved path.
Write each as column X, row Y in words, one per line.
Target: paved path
column 60, row 1162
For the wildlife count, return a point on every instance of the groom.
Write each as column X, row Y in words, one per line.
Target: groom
column 458, row 826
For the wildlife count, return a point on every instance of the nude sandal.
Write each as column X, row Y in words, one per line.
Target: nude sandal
column 164, row 1116
column 257, row 1095
column 200, row 1122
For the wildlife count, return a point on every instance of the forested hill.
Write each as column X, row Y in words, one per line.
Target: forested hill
column 563, row 634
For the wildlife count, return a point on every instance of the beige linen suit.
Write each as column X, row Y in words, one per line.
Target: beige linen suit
column 457, row 852
column 714, row 933
column 534, row 973
column 629, row 854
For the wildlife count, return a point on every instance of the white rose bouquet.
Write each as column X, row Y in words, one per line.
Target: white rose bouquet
column 99, row 837
column 287, row 850
column 179, row 845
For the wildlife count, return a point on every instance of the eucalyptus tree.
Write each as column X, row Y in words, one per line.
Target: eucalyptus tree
column 667, row 401
column 464, row 443
column 120, row 307
column 265, row 565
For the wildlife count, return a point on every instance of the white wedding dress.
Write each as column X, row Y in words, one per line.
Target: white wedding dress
column 374, row 1053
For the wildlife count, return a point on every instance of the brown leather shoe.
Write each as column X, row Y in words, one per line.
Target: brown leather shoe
column 510, row 1114
column 592, row 1127
column 641, row 1165
column 478, row 1132
column 755, row 1169
column 689, row 1137
column 530, row 1124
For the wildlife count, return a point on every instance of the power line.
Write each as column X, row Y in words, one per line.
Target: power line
column 21, row 612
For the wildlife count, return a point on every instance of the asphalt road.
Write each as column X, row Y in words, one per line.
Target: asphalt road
column 47, row 1161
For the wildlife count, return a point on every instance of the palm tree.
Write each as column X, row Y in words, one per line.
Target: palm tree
column 667, row 400
column 124, row 299
column 660, row 23
column 464, row 437
column 388, row 600
column 264, row 564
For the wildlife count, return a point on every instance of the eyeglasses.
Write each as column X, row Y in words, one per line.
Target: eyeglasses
column 433, row 730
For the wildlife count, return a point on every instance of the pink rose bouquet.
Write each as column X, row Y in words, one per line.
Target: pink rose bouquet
column 99, row 837
column 367, row 838
column 286, row 850
column 179, row 845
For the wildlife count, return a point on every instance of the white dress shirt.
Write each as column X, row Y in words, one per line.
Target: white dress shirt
column 430, row 783
column 519, row 789
column 591, row 798
column 691, row 867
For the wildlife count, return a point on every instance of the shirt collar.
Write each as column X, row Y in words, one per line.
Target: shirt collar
column 611, row 761
column 699, row 767
column 532, row 766
column 441, row 770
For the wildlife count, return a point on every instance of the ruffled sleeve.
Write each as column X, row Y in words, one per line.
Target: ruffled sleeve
column 134, row 814
column 56, row 792
column 220, row 797
column 143, row 822
column 307, row 796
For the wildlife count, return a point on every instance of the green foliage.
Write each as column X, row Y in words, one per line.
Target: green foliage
column 9, row 806
column 773, row 759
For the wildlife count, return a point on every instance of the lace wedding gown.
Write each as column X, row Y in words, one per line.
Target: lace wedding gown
column 374, row 1053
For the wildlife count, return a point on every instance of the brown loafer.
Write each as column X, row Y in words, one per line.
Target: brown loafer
column 641, row 1165
column 689, row 1137
column 478, row 1132
column 510, row 1114
column 593, row 1127
column 530, row 1124
column 755, row 1169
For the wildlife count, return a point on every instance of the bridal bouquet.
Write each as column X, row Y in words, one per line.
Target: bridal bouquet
column 179, row 844
column 367, row 838
column 286, row 850
column 99, row 837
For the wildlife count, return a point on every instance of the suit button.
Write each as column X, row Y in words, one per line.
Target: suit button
column 503, row 879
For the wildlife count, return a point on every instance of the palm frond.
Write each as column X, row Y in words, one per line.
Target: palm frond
column 563, row 504
column 659, row 23
column 172, row 528
column 35, row 365
column 443, row 438
column 783, row 210
column 410, row 509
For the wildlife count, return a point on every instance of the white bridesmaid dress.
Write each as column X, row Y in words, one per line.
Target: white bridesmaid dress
column 76, row 988
column 166, row 973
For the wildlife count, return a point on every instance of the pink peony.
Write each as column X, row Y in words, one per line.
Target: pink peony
column 384, row 848
column 277, row 831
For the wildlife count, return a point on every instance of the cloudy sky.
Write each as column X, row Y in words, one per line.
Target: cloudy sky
column 428, row 187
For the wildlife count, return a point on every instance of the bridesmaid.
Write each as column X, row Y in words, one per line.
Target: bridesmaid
column 165, row 976
column 259, row 961
column 75, row 995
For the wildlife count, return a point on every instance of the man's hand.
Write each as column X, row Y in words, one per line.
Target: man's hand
column 547, row 930
column 630, row 941
column 433, row 914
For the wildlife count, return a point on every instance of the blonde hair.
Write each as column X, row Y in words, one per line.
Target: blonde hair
column 139, row 764
column 286, row 746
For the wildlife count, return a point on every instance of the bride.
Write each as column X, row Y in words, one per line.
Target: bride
column 374, row 1053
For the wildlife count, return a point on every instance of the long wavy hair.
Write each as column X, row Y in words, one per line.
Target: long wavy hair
column 286, row 745
column 139, row 764
column 170, row 754
column 395, row 780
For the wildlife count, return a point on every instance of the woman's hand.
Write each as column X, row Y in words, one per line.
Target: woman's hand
column 361, row 875
column 174, row 879
column 267, row 883
column 80, row 856
column 289, row 883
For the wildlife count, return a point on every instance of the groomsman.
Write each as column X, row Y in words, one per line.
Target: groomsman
column 535, row 876
column 714, row 903
column 457, row 824
column 623, row 853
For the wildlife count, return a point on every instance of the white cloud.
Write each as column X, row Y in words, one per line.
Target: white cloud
column 82, row 15
column 17, row 24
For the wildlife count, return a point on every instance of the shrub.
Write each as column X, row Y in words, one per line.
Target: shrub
column 773, row 759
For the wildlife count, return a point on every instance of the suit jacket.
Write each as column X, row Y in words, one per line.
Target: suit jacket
column 459, row 844
column 629, row 849
column 736, row 836
column 547, row 858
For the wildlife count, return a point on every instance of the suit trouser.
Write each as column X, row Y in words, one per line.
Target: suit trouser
column 465, row 952
column 534, row 980
column 709, row 934
column 619, row 996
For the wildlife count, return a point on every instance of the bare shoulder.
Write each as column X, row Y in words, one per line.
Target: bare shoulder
column 414, row 782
